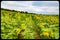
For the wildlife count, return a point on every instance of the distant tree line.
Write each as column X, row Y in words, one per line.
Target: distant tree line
column 16, row 11
column 23, row 12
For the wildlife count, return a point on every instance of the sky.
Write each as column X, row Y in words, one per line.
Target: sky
column 38, row 7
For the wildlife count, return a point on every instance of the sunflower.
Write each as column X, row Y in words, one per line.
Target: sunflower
column 41, row 25
column 27, row 19
column 45, row 33
column 18, row 31
column 52, row 33
column 9, row 14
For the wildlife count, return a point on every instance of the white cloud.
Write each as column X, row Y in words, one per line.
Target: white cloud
column 27, row 6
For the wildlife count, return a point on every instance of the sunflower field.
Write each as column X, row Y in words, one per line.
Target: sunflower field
column 17, row 25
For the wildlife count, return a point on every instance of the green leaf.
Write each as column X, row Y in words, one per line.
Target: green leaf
column 56, row 35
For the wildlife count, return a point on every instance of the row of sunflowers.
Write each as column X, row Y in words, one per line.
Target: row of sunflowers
column 16, row 25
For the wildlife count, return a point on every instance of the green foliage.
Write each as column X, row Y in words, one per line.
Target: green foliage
column 35, row 26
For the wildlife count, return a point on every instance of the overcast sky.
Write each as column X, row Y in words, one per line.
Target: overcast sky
column 39, row 7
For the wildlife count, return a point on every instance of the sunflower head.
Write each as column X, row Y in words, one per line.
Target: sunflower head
column 52, row 33
column 19, row 31
column 41, row 25
column 45, row 33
